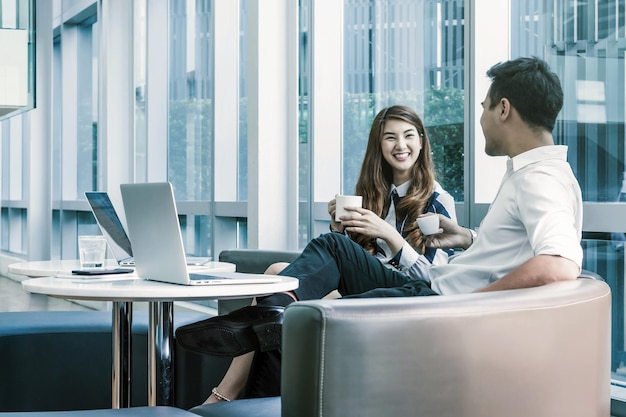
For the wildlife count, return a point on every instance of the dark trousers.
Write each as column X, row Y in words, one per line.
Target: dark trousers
column 329, row 262
column 334, row 262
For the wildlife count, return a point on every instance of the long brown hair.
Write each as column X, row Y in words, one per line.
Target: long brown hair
column 376, row 177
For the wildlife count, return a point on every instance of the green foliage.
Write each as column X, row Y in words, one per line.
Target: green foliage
column 190, row 150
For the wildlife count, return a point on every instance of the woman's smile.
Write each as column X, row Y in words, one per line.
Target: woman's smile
column 400, row 145
column 402, row 156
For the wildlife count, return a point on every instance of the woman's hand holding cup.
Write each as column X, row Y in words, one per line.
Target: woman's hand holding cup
column 343, row 201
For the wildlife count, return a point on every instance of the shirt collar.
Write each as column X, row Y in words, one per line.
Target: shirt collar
column 401, row 189
column 540, row 153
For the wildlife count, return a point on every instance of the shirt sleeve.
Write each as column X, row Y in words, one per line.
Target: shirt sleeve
column 417, row 266
column 412, row 264
column 548, row 209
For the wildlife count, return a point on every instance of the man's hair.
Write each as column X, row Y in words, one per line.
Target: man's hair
column 531, row 87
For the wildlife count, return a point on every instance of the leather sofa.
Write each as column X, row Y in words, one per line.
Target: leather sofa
column 536, row 352
column 122, row 412
column 253, row 261
column 61, row 360
column 540, row 352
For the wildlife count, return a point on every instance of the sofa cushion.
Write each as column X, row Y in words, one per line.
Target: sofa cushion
column 257, row 407
column 61, row 360
column 256, row 261
column 121, row 412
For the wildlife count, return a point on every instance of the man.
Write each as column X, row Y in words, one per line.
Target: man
column 530, row 236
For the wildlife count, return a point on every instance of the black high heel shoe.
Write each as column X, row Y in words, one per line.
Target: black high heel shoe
column 245, row 330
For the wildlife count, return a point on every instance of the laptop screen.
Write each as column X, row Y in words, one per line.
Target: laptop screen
column 110, row 224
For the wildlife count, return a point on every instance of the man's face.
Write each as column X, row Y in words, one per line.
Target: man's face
column 490, row 123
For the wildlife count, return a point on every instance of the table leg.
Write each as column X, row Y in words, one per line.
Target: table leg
column 160, row 353
column 121, row 337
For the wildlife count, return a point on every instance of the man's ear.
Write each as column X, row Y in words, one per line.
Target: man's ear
column 505, row 108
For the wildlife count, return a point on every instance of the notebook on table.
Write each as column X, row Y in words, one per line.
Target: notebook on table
column 111, row 227
column 152, row 221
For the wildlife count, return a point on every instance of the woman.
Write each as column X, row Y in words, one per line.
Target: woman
column 374, row 251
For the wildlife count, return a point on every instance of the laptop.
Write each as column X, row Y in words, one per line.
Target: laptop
column 152, row 221
column 112, row 229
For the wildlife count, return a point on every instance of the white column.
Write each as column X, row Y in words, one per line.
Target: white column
column 272, row 124
column 39, row 181
column 326, row 104
column 116, row 108
column 157, row 85
column 226, row 109
column 488, row 170
column 226, row 120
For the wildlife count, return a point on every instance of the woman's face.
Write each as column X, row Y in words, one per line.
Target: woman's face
column 400, row 145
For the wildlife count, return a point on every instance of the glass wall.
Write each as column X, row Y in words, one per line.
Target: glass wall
column 411, row 53
column 584, row 44
column 190, row 116
column 87, row 110
column 14, row 214
column 305, row 147
column 77, row 146
column 17, row 67
column 140, row 72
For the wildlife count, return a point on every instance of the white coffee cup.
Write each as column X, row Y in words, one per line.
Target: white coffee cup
column 346, row 201
column 429, row 224
column 92, row 251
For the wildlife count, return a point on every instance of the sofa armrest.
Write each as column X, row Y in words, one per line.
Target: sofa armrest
column 158, row 411
column 61, row 360
column 538, row 352
column 256, row 261
column 257, row 407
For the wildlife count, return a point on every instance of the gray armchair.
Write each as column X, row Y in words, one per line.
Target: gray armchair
column 540, row 352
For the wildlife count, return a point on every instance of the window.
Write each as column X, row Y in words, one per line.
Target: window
column 190, row 118
column 140, row 78
column 77, row 148
column 584, row 44
column 305, row 146
column 411, row 53
column 86, row 128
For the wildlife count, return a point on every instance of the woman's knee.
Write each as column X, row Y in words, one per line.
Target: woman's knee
column 276, row 268
column 330, row 239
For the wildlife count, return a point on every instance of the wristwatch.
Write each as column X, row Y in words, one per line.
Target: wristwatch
column 473, row 234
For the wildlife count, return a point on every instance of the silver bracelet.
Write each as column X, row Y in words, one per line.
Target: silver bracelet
column 218, row 395
column 473, row 235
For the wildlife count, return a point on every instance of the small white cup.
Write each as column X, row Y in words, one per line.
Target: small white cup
column 429, row 224
column 346, row 201
column 92, row 251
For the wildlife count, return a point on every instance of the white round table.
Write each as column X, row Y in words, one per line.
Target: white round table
column 65, row 266
column 125, row 289
column 51, row 268
column 129, row 287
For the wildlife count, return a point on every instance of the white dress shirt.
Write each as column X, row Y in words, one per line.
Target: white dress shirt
column 411, row 263
column 537, row 211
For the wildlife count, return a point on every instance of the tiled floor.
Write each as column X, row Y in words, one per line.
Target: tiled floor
column 14, row 298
